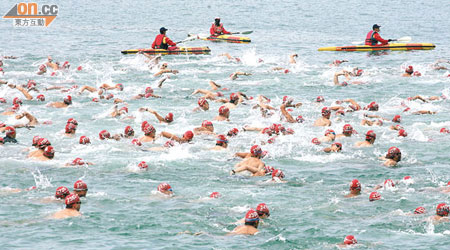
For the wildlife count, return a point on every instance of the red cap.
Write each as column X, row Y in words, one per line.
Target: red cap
column 95, row 99
column 119, row 86
column 68, row 100
column 370, row 134
column 315, row 141
column 251, row 216
column 214, row 195
column 223, row 110
column 329, row 131
column 143, row 165
column 233, row 132
column 169, row 144
column 374, row 196
column 420, row 210
column 10, row 131
column 84, row 140
column 442, row 209
column 40, row 97
column 169, row 117
column 66, row 63
column 77, row 161
column 124, row 109
column 389, row 183
column 35, row 140
column 149, row 90
column 355, row 185
column 268, row 169
column 300, row 119
column 320, row 99
column 397, row 118
column 201, row 101
column 17, row 100
column 70, row 127
column 350, row 240
column 149, row 129
column 234, row 96
column 393, row 151
column 42, row 143
column 164, row 187
column 188, row 135
column 359, row 72
column 49, row 151
column 402, row 132
column 255, row 150
column 136, row 142
column 72, row 199
column 407, row 177
column 104, row 134
column 31, row 83
column 417, row 73
column 347, row 129
column 277, row 173
column 326, row 112
column 444, row 130
column 409, row 69
column 373, row 106
column 73, row 121
column 80, row 186
column 62, row 192
column 143, row 125
column 2, row 100
column 262, row 209
column 42, row 67
column 129, row 131
column 79, row 68
column 206, row 123
column 221, row 139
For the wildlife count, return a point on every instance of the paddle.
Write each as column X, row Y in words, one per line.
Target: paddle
column 404, row 39
column 190, row 38
column 243, row 32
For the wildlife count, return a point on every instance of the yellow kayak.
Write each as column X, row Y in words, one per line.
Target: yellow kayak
column 391, row 46
column 226, row 38
column 178, row 51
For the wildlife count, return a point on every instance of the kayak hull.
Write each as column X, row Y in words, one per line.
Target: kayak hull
column 179, row 51
column 227, row 38
column 391, row 46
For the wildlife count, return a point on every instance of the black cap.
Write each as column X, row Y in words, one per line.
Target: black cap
column 162, row 29
column 375, row 26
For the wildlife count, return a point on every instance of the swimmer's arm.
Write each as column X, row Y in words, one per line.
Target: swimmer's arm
column 201, row 91
column 214, row 86
column 159, row 117
column 241, row 155
column 24, row 92
column 286, row 114
column 160, row 82
column 335, row 108
column 247, row 128
column 171, row 136
column 336, row 78
column 374, row 116
column 106, row 86
column 292, row 58
column 222, row 100
column 327, row 150
column 3, row 82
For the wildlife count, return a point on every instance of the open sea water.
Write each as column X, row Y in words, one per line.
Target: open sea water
column 309, row 211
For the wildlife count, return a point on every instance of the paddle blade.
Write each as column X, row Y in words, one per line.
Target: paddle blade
column 404, row 39
column 357, row 43
column 243, row 32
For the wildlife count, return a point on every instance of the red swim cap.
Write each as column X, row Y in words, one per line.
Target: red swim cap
column 374, row 196
column 407, row 177
column 251, row 216
column 221, row 139
column 164, row 187
column 300, row 119
column 389, row 183
column 442, row 209
column 329, row 131
column 104, row 134
column 169, row 144
column 149, row 90
column 95, row 99
column 444, row 130
column 10, row 131
column 268, row 169
column 201, row 101
column 355, row 185
column 70, row 127
column 62, row 192
column 267, row 131
column 262, row 209
column 149, row 129
column 17, row 100
column 119, row 86
column 84, row 140
column 315, row 141
column 136, row 142
column 233, row 132
column 169, row 117
column 42, row 143
column 72, row 199
column 370, row 134
column 255, row 150
column 234, row 96
column 80, row 186
column 409, row 69
column 79, row 68
column 129, row 131
column 320, row 99
column 223, row 110
column 402, row 132
column 49, row 152
column 214, row 195
column 417, row 73
column 359, row 72
column 347, row 129
column 326, row 112
column 143, row 125
column 373, row 106
column 35, row 140
column 2, row 100
column 143, row 165
column 206, row 123
column 31, row 84
column 350, row 240
column 397, row 119
column 73, row 121
column 40, row 97
column 393, row 151
column 66, row 63
column 420, row 210
column 188, row 135
column 124, row 109
column 68, row 100
column 278, row 174
column 77, row 161
column 42, row 67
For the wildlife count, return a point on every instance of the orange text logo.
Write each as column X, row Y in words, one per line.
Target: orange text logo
column 29, row 14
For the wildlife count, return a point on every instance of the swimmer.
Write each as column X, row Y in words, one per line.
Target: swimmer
column 329, row 136
column 203, row 105
column 234, row 132
column 442, row 211
column 148, row 93
column 67, row 101
column 224, row 114
column 235, row 75
column 436, row 65
column 252, row 163
column 167, row 119
column 263, row 213
column 42, row 69
column 221, row 143
column 41, row 144
column 149, row 133
column 325, row 119
column 409, row 72
column 61, row 193
column 250, row 226
column 72, row 209
column 80, row 188
column 10, row 135
column 128, row 132
column 355, row 189
column 207, row 94
column 277, row 176
column 335, row 147
column 235, row 99
column 229, row 57
column 349, row 240
column 347, row 131
column 78, row 162
column 165, row 188
column 393, row 156
column 374, row 196
column 347, row 78
column 292, row 58
column 70, row 129
column 338, row 62
column 163, row 70
column 154, row 60
column 207, row 128
column 370, row 140
column 187, row 136
column 288, row 117
column 48, row 154
column 119, row 112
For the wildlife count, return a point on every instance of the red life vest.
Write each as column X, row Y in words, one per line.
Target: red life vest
column 370, row 40
column 218, row 29
column 161, row 42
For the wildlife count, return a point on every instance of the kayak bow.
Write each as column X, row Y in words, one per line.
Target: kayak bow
column 391, row 46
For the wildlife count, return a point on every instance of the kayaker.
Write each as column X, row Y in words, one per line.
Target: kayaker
column 373, row 38
column 217, row 28
column 163, row 42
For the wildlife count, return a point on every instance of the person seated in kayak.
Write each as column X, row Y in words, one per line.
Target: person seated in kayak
column 217, row 28
column 163, row 42
column 373, row 38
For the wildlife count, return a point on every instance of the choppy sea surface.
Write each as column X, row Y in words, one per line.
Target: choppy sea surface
column 121, row 210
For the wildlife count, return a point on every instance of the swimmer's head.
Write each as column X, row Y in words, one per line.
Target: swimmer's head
column 84, row 140
column 73, row 201
column 80, row 188
column 169, row 117
column 149, row 130
column 35, row 140
column 347, row 129
column 402, row 133
column 149, row 90
column 267, row 131
column 397, row 119
column 43, row 68
column 202, row 102
column 143, row 165
column 252, row 218
column 136, row 142
column 277, row 174
column 43, row 143
column 77, row 161
column 417, row 73
column 263, row 210
column 350, row 240
column 62, row 192
column 129, row 131
column 442, row 209
column 315, row 141
column 256, row 151
column 40, row 97
column 320, row 99
column 31, row 84
column 165, row 188
column 373, row 106
column 409, row 69
column 370, row 136
column 444, row 130
column 287, row 99
column 389, row 183
column 214, row 195
column 326, row 112
column 123, row 110
column 17, row 100
column 355, row 186
column 358, row 72
column 68, row 100
column 221, row 140
column 233, row 132
column 188, row 135
column 104, row 134
column 119, row 86
column 394, row 153
column 330, row 133
column 300, row 119
column 70, row 128
column 144, row 124
column 49, row 152
column 207, row 124
column 10, row 132
column 224, row 111
column 234, row 97
column 268, row 169
column 73, row 121
column 374, row 196
column 420, row 210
